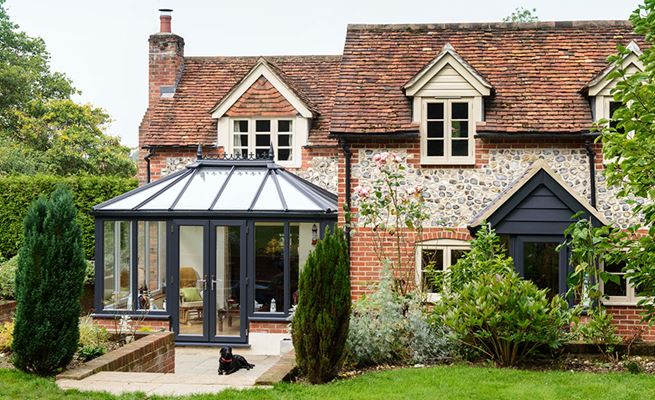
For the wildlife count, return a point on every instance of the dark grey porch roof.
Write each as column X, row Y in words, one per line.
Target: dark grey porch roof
column 259, row 186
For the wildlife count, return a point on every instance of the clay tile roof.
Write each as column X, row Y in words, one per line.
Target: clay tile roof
column 185, row 119
column 535, row 69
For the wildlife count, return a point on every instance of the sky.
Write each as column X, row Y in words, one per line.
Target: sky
column 103, row 45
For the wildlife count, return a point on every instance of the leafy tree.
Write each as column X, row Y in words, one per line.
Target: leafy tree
column 41, row 129
column 49, row 281
column 320, row 323
column 522, row 14
column 629, row 146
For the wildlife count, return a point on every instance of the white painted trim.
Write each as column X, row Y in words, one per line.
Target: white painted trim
column 261, row 69
column 299, row 136
column 602, row 84
column 630, row 299
column 447, row 159
column 448, row 56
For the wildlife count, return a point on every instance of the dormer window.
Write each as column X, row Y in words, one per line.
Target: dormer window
column 256, row 135
column 447, row 132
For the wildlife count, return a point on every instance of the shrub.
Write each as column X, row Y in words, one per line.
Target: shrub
column 18, row 192
column 6, row 336
column 92, row 335
column 8, row 278
column 49, row 286
column 599, row 330
column 505, row 317
column 87, row 353
column 388, row 328
column 320, row 321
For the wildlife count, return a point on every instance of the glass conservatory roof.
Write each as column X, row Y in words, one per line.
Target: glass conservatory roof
column 226, row 186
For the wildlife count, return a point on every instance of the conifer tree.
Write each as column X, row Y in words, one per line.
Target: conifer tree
column 49, row 283
column 320, row 323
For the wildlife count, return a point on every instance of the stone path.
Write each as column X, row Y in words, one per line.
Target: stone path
column 195, row 372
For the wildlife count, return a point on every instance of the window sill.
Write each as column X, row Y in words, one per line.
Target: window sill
column 160, row 315
column 442, row 163
column 269, row 318
column 624, row 303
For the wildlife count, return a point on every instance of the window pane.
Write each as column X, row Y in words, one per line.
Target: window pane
column 284, row 155
column 615, row 267
column 460, row 147
column 228, row 280
column 241, row 126
column 191, row 271
column 284, row 140
column 613, row 289
column 435, row 148
column 262, row 140
column 456, row 254
column 435, row 129
column 435, row 110
column 541, row 266
column 460, row 110
column 432, row 266
column 302, row 239
column 284, row 126
column 614, row 105
column 269, row 267
column 240, row 140
column 460, row 129
column 117, row 266
column 263, row 125
column 151, row 265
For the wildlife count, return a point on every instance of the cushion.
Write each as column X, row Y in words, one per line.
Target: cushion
column 191, row 294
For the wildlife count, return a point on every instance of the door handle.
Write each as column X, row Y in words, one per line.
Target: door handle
column 204, row 283
column 214, row 282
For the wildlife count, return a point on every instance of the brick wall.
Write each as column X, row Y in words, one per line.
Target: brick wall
column 151, row 353
column 7, row 310
column 628, row 321
column 111, row 323
column 269, row 327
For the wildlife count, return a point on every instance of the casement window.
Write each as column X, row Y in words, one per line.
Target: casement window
column 255, row 137
column 622, row 293
column 447, row 132
column 435, row 258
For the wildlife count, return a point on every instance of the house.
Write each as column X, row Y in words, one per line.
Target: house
column 249, row 159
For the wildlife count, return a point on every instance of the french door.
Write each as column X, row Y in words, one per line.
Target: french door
column 537, row 259
column 208, row 281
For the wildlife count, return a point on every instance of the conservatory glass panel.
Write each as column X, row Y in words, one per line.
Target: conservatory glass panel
column 295, row 199
column 269, row 198
column 228, row 280
column 117, row 260
column 139, row 197
column 302, row 240
column 203, row 188
column 269, row 267
column 240, row 190
column 165, row 200
column 151, row 265
column 192, row 281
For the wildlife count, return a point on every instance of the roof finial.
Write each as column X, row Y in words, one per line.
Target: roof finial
column 271, row 152
column 199, row 152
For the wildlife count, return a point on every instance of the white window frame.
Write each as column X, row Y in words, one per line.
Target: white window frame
column 446, row 245
column 252, row 148
column 447, row 158
column 630, row 299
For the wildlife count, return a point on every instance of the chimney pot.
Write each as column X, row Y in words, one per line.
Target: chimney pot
column 165, row 20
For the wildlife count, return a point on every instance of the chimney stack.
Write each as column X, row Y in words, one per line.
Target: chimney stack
column 165, row 20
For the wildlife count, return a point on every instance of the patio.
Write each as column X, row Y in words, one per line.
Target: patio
column 196, row 372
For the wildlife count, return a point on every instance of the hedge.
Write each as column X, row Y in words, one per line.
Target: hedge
column 18, row 192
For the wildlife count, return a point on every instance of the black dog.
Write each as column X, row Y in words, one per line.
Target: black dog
column 230, row 363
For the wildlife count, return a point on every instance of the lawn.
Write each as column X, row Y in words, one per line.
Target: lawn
column 453, row 382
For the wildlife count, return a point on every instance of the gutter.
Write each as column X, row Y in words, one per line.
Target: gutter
column 534, row 135
column 151, row 152
column 386, row 135
column 591, row 154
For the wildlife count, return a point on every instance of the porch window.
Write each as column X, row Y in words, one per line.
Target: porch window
column 447, row 132
column 434, row 258
column 117, row 265
column 255, row 136
column 281, row 250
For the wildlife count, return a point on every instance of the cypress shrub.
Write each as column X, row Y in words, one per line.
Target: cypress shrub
column 18, row 192
column 320, row 323
column 49, row 280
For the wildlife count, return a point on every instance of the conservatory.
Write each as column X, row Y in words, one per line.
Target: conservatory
column 210, row 248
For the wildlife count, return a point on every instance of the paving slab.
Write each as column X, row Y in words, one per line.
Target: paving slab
column 195, row 372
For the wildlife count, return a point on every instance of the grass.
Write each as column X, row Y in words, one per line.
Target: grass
column 446, row 382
